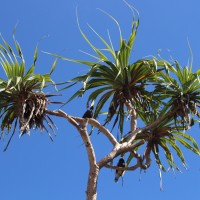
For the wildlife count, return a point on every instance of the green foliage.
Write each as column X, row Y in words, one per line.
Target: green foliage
column 21, row 96
column 166, row 137
column 181, row 87
column 153, row 87
column 117, row 80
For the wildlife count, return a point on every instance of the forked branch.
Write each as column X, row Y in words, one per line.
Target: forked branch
column 118, row 149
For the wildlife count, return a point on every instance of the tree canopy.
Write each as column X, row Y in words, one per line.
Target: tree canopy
column 161, row 94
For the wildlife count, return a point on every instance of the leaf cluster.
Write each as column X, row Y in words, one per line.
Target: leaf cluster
column 21, row 97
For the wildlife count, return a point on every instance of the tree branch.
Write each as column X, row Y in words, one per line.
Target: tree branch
column 91, row 121
column 149, row 126
column 104, row 130
column 132, row 168
column 132, row 112
column 119, row 149
column 140, row 160
column 128, row 146
column 94, row 169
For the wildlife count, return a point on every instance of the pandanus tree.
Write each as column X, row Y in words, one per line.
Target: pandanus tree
column 161, row 96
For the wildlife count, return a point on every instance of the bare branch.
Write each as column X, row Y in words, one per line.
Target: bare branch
column 132, row 168
column 70, row 119
column 119, row 149
column 104, row 130
column 140, row 159
column 91, row 121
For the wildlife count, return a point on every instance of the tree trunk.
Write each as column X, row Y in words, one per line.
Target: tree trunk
column 92, row 183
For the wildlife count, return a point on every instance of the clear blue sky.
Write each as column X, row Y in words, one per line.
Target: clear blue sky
column 34, row 168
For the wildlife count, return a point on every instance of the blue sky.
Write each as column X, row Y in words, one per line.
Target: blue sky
column 34, row 167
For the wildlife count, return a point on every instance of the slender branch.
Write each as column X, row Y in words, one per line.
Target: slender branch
column 104, row 130
column 91, row 121
column 149, row 126
column 140, row 160
column 132, row 168
column 139, row 163
column 119, row 149
column 70, row 119
column 147, row 157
